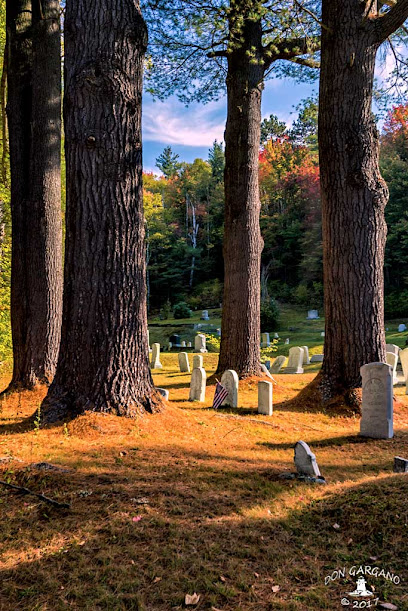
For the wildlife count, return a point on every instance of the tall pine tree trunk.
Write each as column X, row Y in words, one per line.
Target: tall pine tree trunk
column 354, row 197
column 103, row 363
column 242, row 247
column 34, row 112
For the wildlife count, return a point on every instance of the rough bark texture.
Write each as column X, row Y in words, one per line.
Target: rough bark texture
column 34, row 115
column 354, row 197
column 103, row 363
column 240, row 327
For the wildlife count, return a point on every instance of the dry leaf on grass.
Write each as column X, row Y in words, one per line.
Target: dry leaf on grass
column 192, row 599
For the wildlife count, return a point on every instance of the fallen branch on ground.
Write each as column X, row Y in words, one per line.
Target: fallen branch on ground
column 42, row 497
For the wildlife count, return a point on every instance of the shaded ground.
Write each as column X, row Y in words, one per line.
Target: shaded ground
column 190, row 501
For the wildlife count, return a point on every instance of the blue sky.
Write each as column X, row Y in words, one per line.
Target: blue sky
column 191, row 131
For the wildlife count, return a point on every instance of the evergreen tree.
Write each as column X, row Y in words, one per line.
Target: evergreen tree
column 168, row 163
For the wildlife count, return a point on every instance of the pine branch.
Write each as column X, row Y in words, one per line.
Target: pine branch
column 42, row 497
column 289, row 49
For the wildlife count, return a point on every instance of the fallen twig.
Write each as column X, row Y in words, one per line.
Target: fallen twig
column 42, row 497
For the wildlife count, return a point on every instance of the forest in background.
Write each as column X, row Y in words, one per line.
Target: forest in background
column 184, row 218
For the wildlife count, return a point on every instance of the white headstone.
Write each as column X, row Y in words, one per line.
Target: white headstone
column 377, row 404
column 197, row 361
column 265, row 398
column 316, row 358
column 392, row 360
column 230, row 381
column 197, row 385
column 402, row 328
column 322, row 334
column 204, row 315
column 306, row 359
column 403, row 355
column 276, row 336
column 295, row 361
column 183, row 344
column 265, row 341
column 278, row 364
column 188, row 344
column 305, row 460
column 170, row 346
column 155, row 362
column 200, row 343
column 183, row 362
column 287, row 341
column 312, row 314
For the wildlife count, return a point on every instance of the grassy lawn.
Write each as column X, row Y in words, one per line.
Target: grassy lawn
column 190, row 501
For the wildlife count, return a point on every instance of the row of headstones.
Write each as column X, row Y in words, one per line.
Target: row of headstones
column 298, row 357
column 199, row 346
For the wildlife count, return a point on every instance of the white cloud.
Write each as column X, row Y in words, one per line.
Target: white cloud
column 173, row 123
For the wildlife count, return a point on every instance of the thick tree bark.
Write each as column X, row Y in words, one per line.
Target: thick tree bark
column 240, row 327
column 103, row 363
column 354, row 197
column 34, row 111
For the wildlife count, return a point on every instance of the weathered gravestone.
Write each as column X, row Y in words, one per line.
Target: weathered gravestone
column 265, row 398
column 287, row 341
column 184, row 365
column 188, row 344
column 197, row 361
column 403, row 355
column 155, row 362
column 306, row 358
column 317, row 358
column 183, row 344
column 265, row 341
column 295, row 361
column 305, row 460
column 312, row 315
column 163, row 392
column 204, row 315
column 377, row 404
column 402, row 328
column 400, row 465
column 277, row 364
column 200, row 343
column 392, row 360
column 276, row 336
column 197, row 385
column 230, row 381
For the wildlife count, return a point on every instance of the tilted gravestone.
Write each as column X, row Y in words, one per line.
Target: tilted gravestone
column 400, row 465
column 277, row 364
column 200, row 343
column 198, row 361
column 230, row 381
column 265, row 398
column 403, row 355
column 295, row 361
column 377, row 404
column 392, row 360
column 184, row 365
column 155, row 362
column 305, row 460
column 197, row 385
column 306, row 359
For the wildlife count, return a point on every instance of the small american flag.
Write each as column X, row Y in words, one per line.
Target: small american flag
column 220, row 394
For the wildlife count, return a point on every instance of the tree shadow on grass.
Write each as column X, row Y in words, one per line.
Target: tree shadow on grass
column 200, row 532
